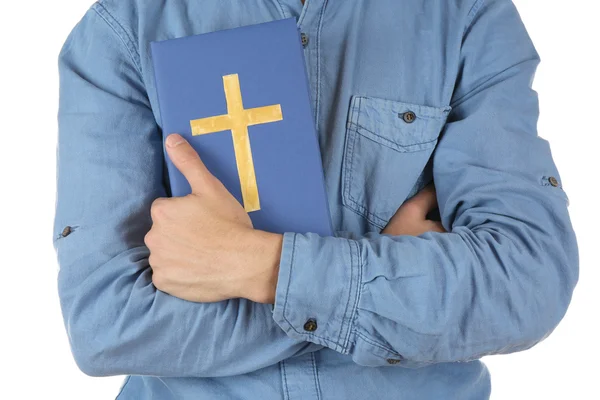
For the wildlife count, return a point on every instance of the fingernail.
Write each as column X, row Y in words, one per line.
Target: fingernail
column 174, row 140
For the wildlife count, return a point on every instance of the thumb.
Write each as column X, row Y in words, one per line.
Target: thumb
column 187, row 161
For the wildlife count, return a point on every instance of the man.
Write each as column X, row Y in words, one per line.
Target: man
column 191, row 302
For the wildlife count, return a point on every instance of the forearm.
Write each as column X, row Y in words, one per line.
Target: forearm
column 439, row 297
column 502, row 277
column 109, row 170
column 118, row 323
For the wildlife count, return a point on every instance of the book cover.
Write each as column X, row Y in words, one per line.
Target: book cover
column 241, row 98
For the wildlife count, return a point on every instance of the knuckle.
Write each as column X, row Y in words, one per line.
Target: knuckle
column 149, row 239
column 158, row 208
column 152, row 261
column 158, row 280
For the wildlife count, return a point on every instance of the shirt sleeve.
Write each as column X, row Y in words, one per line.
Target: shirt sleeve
column 109, row 170
column 500, row 280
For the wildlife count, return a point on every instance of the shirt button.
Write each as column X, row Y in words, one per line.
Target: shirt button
column 553, row 181
column 66, row 231
column 310, row 325
column 304, row 38
column 392, row 361
column 409, row 117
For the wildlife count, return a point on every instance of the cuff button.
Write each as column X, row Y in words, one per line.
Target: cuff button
column 310, row 325
column 392, row 361
column 66, row 232
column 553, row 181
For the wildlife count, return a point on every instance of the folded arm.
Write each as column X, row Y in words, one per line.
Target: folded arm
column 110, row 169
column 502, row 277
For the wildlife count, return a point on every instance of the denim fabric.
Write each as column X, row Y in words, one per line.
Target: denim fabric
column 398, row 317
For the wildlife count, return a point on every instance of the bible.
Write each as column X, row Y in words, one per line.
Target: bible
column 241, row 98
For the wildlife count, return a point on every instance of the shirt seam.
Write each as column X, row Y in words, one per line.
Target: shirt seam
column 354, row 310
column 456, row 103
column 389, row 142
column 316, row 376
column 281, row 9
column 285, row 383
column 378, row 345
column 318, row 94
column 343, row 343
column 471, row 15
column 121, row 33
column 304, row 11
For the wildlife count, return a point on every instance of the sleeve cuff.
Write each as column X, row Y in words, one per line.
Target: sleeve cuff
column 318, row 289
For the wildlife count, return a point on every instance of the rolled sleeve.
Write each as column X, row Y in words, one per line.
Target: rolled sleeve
column 306, row 295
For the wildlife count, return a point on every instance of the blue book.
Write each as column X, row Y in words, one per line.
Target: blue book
column 241, row 98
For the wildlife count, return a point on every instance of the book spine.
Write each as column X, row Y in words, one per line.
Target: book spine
column 161, row 123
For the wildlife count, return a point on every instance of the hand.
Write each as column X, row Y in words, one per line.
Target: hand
column 203, row 247
column 410, row 219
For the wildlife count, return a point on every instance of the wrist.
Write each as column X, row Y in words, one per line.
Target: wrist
column 264, row 251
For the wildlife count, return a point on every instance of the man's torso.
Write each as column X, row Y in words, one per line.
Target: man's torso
column 368, row 62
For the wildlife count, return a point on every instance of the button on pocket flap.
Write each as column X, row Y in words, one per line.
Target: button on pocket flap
column 401, row 126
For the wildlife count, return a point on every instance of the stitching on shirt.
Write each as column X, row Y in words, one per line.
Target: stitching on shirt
column 424, row 112
column 346, row 160
column 318, row 94
column 352, row 151
column 479, row 87
column 471, row 15
column 282, row 10
column 393, row 144
column 376, row 344
column 396, row 354
column 351, row 138
column 354, row 314
column 307, row 3
column 289, row 281
column 368, row 215
column 358, row 208
column 348, row 168
column 118, row 29
column 348, row 299
column 284, row 375
column 316, row 376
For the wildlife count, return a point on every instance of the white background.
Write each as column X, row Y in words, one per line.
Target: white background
column 34, row 354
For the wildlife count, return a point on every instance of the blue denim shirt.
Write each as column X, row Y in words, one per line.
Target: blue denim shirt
column 396, row 316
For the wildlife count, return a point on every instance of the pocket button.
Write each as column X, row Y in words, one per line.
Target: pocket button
column 409, row 117
column 310, row 325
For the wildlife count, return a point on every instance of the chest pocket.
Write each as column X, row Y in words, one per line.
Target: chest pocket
column 388, row 145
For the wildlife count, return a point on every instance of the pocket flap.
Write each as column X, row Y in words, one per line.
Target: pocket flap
column 386, row 121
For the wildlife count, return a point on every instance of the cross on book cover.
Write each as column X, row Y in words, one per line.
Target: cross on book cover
column 241, row 98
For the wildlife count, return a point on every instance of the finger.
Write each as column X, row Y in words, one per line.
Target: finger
column 425, row 200
column 187, row 161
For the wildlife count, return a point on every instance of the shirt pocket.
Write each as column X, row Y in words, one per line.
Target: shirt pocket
column 388, row 144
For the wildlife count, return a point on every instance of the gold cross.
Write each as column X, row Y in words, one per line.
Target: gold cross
column 237, row 120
